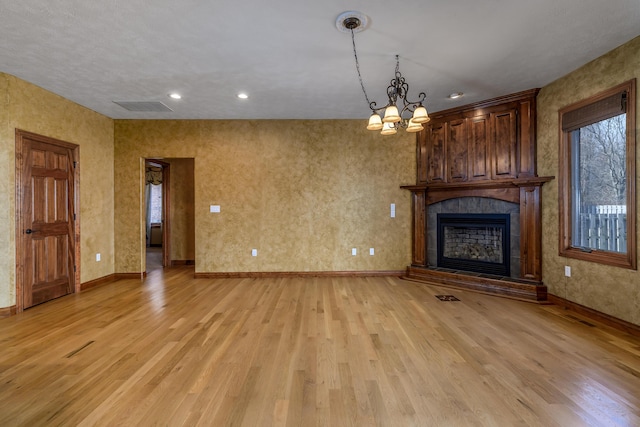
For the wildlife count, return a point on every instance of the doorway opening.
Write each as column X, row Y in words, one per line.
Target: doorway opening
column 157, row 214
column 169, row 213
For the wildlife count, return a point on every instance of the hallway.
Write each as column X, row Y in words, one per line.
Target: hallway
column 154, row 259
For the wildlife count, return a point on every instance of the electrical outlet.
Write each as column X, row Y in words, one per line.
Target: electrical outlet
column 254, row 252
column 354, row 251
column 567, row 271
column 371, row 251
column 393, row 210
column 97, row 257
column 214, row 208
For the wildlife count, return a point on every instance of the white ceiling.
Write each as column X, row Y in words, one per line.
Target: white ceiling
column 290, row 58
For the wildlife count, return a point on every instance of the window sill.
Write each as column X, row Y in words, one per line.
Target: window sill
column 601, row 257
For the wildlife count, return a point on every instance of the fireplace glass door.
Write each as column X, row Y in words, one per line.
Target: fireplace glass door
column 474, row 242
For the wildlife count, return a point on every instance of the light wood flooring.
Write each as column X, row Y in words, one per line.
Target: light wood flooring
column 172, row 350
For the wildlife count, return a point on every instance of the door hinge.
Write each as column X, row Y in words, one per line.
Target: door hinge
column 74, row 217
column 74, row 268
column 75, row 164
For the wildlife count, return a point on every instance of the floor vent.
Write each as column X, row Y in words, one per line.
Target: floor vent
column 447, row 298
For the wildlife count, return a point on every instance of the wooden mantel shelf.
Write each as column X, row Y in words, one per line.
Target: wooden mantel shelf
column 474, row 185
column 511, row 190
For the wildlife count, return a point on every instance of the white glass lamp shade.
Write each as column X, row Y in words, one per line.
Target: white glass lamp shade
column 420, row 115
column 388, row 129
column 414, row 127
column 375, row 122
column 391, row 114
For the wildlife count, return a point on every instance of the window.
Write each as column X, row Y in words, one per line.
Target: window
column 597, row 178
column 155, row 201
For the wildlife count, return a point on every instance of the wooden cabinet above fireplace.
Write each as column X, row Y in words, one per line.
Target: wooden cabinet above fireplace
column 489, row 140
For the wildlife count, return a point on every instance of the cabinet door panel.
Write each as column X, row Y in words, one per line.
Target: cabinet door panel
column 457, row 150
column 479, row 147
column 421, row 156
column 504, row 144
column 435, row 149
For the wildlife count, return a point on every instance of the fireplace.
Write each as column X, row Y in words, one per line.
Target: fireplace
column 474, row 242
column 481, row 158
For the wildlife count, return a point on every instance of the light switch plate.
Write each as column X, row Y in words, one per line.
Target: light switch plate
column 371, row 251
column 567, row 271
column 97, row 257
column 254, row 252
column 393, row 210
column 354, row 251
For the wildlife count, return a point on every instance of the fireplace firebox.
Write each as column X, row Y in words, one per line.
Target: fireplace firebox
column 474, row 242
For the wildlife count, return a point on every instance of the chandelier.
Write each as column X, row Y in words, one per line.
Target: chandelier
column 395, row 114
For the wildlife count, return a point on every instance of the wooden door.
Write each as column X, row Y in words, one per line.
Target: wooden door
column 45, row 217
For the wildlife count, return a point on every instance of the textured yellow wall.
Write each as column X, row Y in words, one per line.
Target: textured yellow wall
column 183, row 244
column 33, row 109
column 615, row 291
column 302, row 193
column 7, row 199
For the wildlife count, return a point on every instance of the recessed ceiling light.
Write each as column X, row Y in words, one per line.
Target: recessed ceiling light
column 175, row 96
column 243, row 95
column 456, row 95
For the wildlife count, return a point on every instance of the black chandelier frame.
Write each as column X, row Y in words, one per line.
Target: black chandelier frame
column 398, row 87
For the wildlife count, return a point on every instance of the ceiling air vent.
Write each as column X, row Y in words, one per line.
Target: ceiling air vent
column 144, row 106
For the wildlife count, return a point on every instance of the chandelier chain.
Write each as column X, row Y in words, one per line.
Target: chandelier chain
column 366, row 97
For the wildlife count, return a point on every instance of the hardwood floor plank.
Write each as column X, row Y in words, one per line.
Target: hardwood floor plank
column 280, row 413
column 173, row 350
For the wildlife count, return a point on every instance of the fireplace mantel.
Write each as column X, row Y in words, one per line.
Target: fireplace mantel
column 507, row 190
column 475, row 185
column 486, row 150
